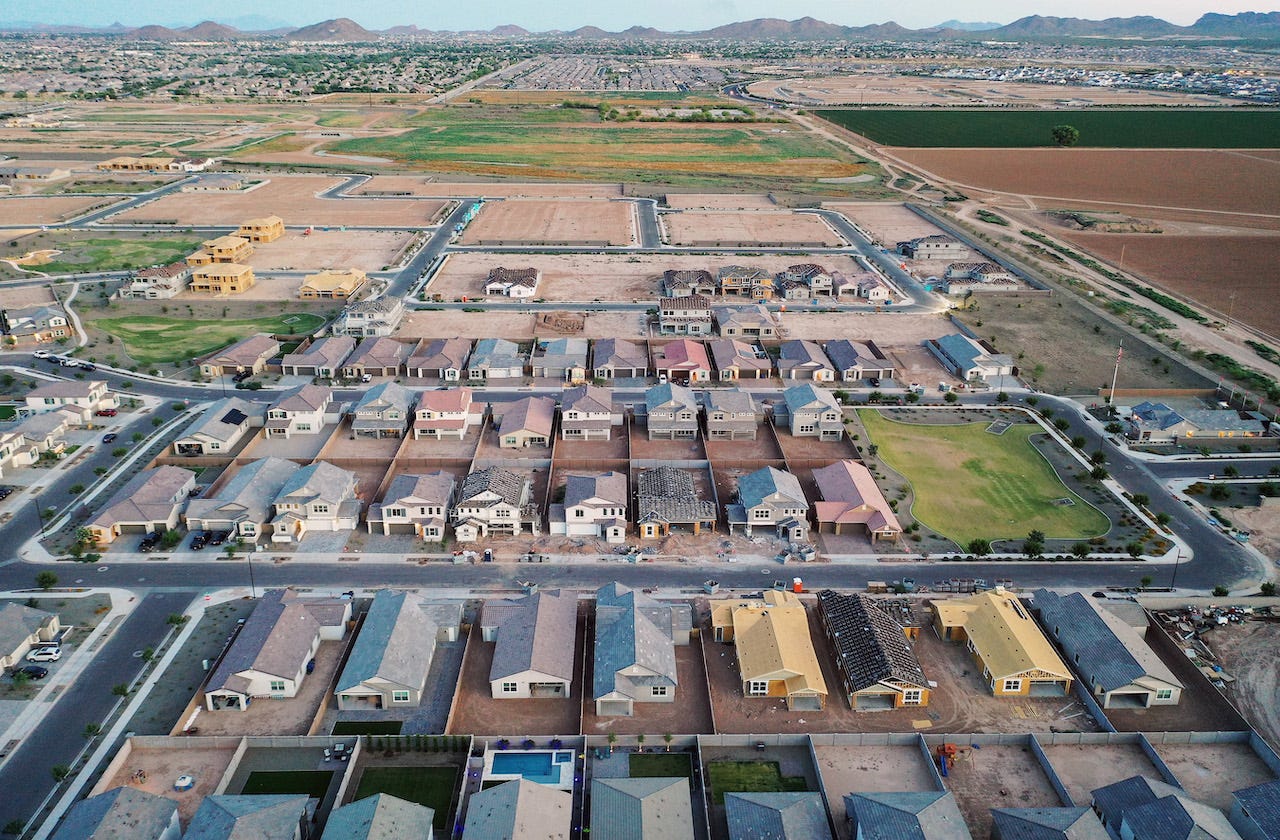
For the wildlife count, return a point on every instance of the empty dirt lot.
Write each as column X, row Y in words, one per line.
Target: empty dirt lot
column 163, row 766
column 1084, row 768
column 426, row 186
column 751, row 228
column 998, row 776
column 888, row 222
column 292, row 198
column 869, row 769
column 1247, row 652
column 366, row 250
column 532, row 222
column 720, row 201
column 45, row 210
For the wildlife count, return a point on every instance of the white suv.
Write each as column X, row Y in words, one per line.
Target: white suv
column 44, row 654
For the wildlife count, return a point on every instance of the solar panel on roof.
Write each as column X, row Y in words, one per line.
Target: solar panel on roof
column 235, row 417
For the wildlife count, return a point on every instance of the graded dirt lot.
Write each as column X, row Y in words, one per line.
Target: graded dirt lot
column 1263, row 525
column 1247, row 652
column 429, row 186
column 366, row 250
column 162, row 766
column 720, row 201
column 534, row 222
column 748, row 228
column 292, row 198
column 47, row 209
column 869, row 769
column 1084, row 768
column 1000, row 776
column 889, row 223
column 457, row 323
column 1210, row 772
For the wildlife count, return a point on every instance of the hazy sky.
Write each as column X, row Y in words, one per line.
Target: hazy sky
column 608, row 14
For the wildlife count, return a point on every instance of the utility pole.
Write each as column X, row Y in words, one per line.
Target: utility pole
column 1115, row 376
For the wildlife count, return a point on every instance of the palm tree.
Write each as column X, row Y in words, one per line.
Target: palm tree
column 668, row 738
column 613, row 737
column 639, row 743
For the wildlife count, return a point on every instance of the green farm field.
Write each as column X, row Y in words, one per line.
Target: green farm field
column 1193, row 128
column 150, row 339
column 970, row 484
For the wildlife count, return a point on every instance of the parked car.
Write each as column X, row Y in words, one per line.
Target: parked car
column 149, row 543
column 198, row 541
column 242, row 376
column 33, row 672
column 106, row 412
column 68, row 363
column 368, row 377
column 109, row 437
column 88, row 366
column 44, row 654
column 42, row 354
column 219, row 537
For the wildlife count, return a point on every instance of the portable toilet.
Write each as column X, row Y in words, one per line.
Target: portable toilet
column 797, row 585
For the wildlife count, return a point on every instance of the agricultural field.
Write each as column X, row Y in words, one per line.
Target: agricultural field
column 972, row 484
column 157, row 339
column 1109, row 129
column 73, row 252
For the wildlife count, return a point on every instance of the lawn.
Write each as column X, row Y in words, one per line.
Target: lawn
column 647, row 765
column 311, row 782
column 8, row 412
column 750, row 777
column 150, row 339
column 367, row 727
column 85, row 255
column 971, row 484
column 429, row 786
column 342, row 119
column 94, row 187
column 1165, row 128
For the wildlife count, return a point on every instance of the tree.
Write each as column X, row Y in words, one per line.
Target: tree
column 46, row 580
column 1098, row 473
column 1163, row 518
column 639, row 743
column 60, row 772
column 1062, row 424
column 1066, row 135
column 1268, row 589
column 1134, row 549
column 1078, row 441
column 668, row 738
column 1146, row 581
column 1080, row 550
column 1033, row 547
column 979, row 547
column 1002, row 397
column 950, row 397
column 120, row 690
column 20, row 678
column 92, row 730
column 1231, row 471
column 612, row 739
column 1221, row 591
column 1141, row 499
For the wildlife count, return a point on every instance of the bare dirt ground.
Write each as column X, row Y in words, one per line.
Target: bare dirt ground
column 45, row 210
column 279, row 717
column 902, row 330
column 163, row 766
column 366, row 250
column 878, row 89
column 1247, row 652
column 428, row 186
column 773, row 228
column 526, row 221
column 690, row 713
column 1210, row 772
column 888, row 222
column 1263, row 525
column 455, row 323
column 292, row 198
column 1084, row 769
column 1000, row 776
column 720, row 201
column 866, row 769
column 15, row 296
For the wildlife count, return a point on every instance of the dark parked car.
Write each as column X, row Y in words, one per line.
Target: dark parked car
column 242, row 376
column 110, row 437
column 149, row 543
column 198, row 541
column 33, row 672
column 106, row 412
column 219, row 537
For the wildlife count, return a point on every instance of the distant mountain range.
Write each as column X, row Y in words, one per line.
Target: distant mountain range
column 1250, row 25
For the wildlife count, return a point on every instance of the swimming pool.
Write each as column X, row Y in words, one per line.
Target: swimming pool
column 546, row 767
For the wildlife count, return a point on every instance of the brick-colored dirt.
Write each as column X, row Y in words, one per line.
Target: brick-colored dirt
column 163, row 766
column 43, row 210
column 1084, row 769
column 868, row 769
column 689, row 714
column 781, row 229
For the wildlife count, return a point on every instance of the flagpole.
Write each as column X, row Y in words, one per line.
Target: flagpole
column 1116, row 375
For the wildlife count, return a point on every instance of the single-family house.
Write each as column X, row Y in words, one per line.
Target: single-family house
column 148, row 503
column 923, row 815
column 536, row 645
column 520, row 808
column 752, row 321
column 782, row 815
column 191, row 164
column 739, row 360
column 617, row 358
column 382, row 411
column 561, row 358
column 655, row 808
column 219, row 427
column 122, row 813
column 38, row 434
column 1139, row 808
column 323, row 359
column 635, row 649
column 250, row 354
column 83, row 397
column 446, row 414
column 1113, row 659
column 1152, row 422
column 815, row 278
column 157, row 283
column 222, row 249
column 126, row 163
column 688, row 282
column 813, row 412
column 379, row 356
column 671, row 412
column 586, row 413
column 42, row 174
column 512, row 282
column 731, row 415
column 244, row 504
column 981, row 273
column 855, row 360
column 222, row 279
column 318, row 497
column 851, row 497
column 1013, row 656
column 743, row 280
column 770, row 499
column 494, row 500
column 495, row 358
column 684, row 361
column 249, row 817
column 593, row 506
column 303, row 411
column 873, row 653
column 263, row 229
column 526, row 422
column 371, row 317
column 35, row 324
column 269, row 656
column 440, row 358
column 799, row 359
column 969, row 359
column 332, row 284
column 775, row 652
column 685, row 315
column 388, row 664
column 1255, row 811
column 1046, row 824
column 415, row 504
column 666, row 496
column 936, row 246
column 379, row 817
column 22, row 628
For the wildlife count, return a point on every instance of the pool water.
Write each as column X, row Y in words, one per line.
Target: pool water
column 542, row 767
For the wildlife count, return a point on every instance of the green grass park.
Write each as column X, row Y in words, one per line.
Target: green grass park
column 151, row 339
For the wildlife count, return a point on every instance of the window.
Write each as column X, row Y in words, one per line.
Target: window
column 762, row 513
column 1164, row 693
column 660, row 691
column 395, row 511
column 579, row 513
column 804, row 428
column 304, row 427
column 912, row 697
column 399, row 697
column 758, row 688
column 1012, row 686
column 510, row 687
column 277, row 686
column 319, row 508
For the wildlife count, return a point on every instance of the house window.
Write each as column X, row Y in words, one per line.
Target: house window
column 510, row 687
column 304, row 427
column 319, row 508
column 395, row 511
column 215, row 446
column 399, row 697
column 660, row 691
column 579, row 513
column 758, row 688
column 912, row 697
column 762, row 513
column 1164, row 693
column 277, row 686
column 805, row 428
column 1011, row 686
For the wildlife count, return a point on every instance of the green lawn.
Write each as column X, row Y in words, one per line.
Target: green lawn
column 8, row 412
column 152, row 339
column 430, row 786
column 81, row 255
column 646, row 765
column 971, row 484
column 367, row 727
column 1164, row 128
column 750, row 777
column 311, row 782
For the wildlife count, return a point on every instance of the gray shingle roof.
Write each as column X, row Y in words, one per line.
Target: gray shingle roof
column 1178, row 817
column 776, row 816
column 222, row 420
column 519, row 809
column 906, row 816
column 276, row 638
column 121, row 813
column 612, row 487
column 396, row 642
column 846, row 354
column 869, row 643
column 268, row 817
column 248, row 496
column 540, row 636
column 631, row 633
column 641, row 809
column 669, row 393
column 1261, row 804
column 505, row 483
column 320, row 480
column 379, row 352
column 17, row 623
column 617, row 352
column 386, row 395
column 1046, row 824
column 801, row 397
column 379, row 817
column 1116, row 799
column 755, row 487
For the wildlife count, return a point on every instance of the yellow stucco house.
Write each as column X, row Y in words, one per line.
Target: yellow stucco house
column 224, row 249
column 775, row 651
column 222, row 279
column 265, row 229
column 1015, row 658
column 135, row 164
column 332, row 285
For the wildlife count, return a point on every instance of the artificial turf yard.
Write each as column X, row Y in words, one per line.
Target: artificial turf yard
column 971, row 484
column 750, row 777
column 430, row 786
column 645, row 765
column 151, row 339
column 313, row 783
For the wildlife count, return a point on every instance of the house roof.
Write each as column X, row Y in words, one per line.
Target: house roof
column 590, row 399
column 447, row 401
column 669, row 393
column 519, row 809
column 67, row 389
column 1261, row 804
column 122, row 813
column 667, row 494
column 730, row 400
column 563, row 352
column 1047, row 824
column 442, row 353
column 656, row 808
column 331, row 279
column 222, row 420
column 327, row 352
column 379, row 817
column 751, row 316
column 515, row 276
column 683, row 303
column 376, row 306
column 305, row 398
column 611, row 487
column 1107, row 651
column 730, row 353
column 247, row 351
column 319, row 481
column 261, row 817
column 931, row 815
column 506, row 484
column 383, row 396
column 1004, row 632
column 773, row 642
column 810, row 397
column 617, row 352
column 396, row 642
column 806, row 354
column 433, row 488
column 534, row 415
column 1161, row 416
column 380, row 352
column 276, row 638
column 747, row 272
column 869, row 643
column 968, row 353
column 1178, row 817
column 628, row 638
column 850, row 495
column 1115, row 800
column 845, row 354
column 538, row 636
column 496, row 352
column 791, row 815
column 682, row 354
column 755, row 488
column 18, row 623
column 150, row 496
column 248, row 496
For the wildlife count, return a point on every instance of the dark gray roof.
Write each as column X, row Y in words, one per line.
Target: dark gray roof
column 906, row 816
column 1261, row 804
column 846, row 354
column 266, row 817
column 396, row 643
column 632, row 630
column 871, row 645
column 379, row 817
column 248, row 496
column 1177, row 817
column 612, row 487
column 505, row 483
column 656, row 808
column 540, row 636
column 1046, row 824
column 17, row 623
column 122, row 813
column 221, row 420
column 668, row 494
column 776, row 816
column 519, row 809
column 1114, row 800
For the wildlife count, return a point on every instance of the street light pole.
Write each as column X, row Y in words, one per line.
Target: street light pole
column 253, row 590
column 1176, row 562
